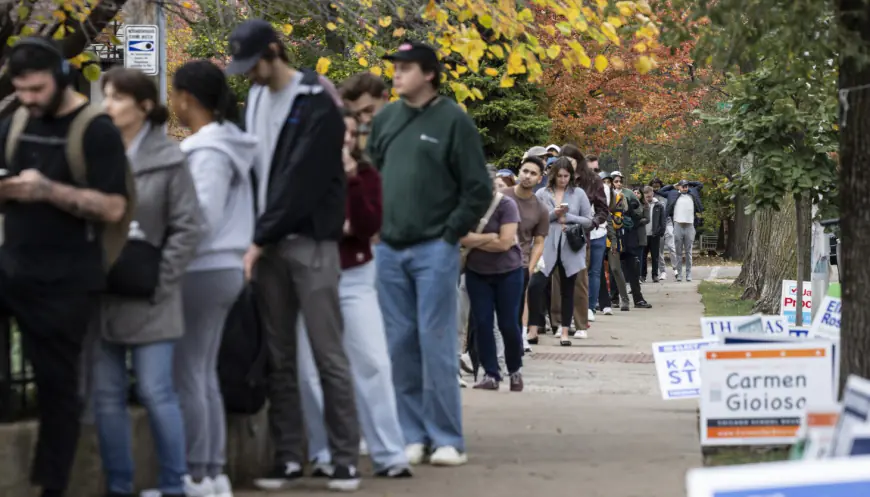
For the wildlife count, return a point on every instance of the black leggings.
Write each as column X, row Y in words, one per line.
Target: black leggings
column 526, row 279
column 537, row 296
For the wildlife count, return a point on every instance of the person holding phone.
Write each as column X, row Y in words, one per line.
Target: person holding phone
column 567, row 205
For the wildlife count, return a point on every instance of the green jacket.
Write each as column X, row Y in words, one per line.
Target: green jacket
column 433, row 172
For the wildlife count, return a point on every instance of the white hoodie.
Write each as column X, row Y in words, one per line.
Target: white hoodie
column 221, row 157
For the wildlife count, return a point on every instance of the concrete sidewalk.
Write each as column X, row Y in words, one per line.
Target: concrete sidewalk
column 591, row 422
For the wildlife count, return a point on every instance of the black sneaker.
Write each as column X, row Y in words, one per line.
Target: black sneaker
column 344, row 479
column 643, row 304
column 321, row 470
column 397, row 471
column 281, row 476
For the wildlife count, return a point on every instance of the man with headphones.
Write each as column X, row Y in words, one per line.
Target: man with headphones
column 51, row 261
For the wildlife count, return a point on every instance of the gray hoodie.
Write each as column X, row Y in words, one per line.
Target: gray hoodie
column 221, row 157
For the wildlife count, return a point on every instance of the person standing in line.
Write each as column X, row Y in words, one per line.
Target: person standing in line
column 634, row 236
column 667, row 241
column 167, row 226
column 52, row 267
column 494, row 278
column 604, row 302
column 586, row 293
column 364, row 339
column 533, row 228
column 615, row 232
column 567, row 206
column 221, row 158
column 294, row 258
column 435, row 189
column 684, row 211
column 364, row 95
column 655, row 231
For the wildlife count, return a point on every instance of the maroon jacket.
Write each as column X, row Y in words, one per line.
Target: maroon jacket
column 363, row 209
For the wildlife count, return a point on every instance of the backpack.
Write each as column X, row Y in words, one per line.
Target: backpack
column 114, row 235
column 243, row 365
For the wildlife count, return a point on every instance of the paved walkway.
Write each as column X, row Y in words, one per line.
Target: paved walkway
column 591, row 422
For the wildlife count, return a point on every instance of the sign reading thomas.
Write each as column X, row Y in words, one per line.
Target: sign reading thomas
column 140, row 48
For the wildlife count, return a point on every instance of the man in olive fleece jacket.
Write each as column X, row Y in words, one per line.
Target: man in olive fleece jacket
column 435, row 190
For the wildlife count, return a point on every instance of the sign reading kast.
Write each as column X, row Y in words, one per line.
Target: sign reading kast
column 140, row 48
column 757, row 394
column 677, row 367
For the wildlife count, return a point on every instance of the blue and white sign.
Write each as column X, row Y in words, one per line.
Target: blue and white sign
column 718, row 325
column 827, row 322
column 824, row 478
column 677, row 367
column 140, row 48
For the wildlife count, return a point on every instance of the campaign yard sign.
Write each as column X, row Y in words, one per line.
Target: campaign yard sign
column 827, row 322
column 756, row 394
column 771, row 325
column 788, row 302
column 824, row 478
column 677, row 365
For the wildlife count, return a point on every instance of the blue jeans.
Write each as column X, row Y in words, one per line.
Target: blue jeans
column 152, row 364
column 365, row 344
column 500, row 294
column 417, row 291
column 597, row 248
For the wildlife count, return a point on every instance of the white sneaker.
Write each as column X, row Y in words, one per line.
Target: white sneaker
column 663, row 276
column 465, row 363
column 608, row 311
column 222, row 486
column 580, row 334
column 204, row 488
column 591, row 316
column 447, row 456
column 363, row 448
column 416, row 453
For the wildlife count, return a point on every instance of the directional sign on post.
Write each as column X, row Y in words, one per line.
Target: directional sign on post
column 140, row 48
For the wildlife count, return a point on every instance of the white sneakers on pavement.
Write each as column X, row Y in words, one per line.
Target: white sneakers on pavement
column 607, row 311
column 591, row 316
column 447, row 456
column 581, row 334
column 443, row 456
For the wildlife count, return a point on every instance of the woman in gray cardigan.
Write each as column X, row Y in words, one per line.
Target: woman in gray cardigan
column 167, row 225
column 568, row 206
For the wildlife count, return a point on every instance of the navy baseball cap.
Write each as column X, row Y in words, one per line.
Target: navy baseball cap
column 412, row 51
column 247, row 44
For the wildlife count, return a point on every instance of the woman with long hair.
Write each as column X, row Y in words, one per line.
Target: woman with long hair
column 365, row 341
column 221, row 158
column 568, row 207
column 141, row 311
column 589, row 281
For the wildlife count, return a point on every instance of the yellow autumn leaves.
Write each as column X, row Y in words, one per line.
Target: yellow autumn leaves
column 517, row 40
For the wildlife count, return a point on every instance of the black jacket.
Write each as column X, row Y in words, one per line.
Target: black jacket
column 657, row 219
column 306, row 184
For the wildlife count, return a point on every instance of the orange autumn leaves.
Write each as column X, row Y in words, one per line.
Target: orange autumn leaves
column 602, row 108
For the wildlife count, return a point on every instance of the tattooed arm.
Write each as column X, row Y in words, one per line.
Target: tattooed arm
column 86, row 203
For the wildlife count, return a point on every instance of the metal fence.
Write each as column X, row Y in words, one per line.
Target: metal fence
column 17, row 387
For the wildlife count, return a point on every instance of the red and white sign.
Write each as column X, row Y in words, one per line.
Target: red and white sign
column 789, row 300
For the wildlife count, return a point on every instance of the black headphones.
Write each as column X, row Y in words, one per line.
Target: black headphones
column 62, row 72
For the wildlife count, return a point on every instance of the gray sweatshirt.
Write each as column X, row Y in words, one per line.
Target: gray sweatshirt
column 221, row 157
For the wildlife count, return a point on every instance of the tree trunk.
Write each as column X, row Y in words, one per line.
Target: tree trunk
column 803, row 226
column 625, row 162
column 722, row 236
column 855, row 188
column 771, row 257
column 737, row 242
